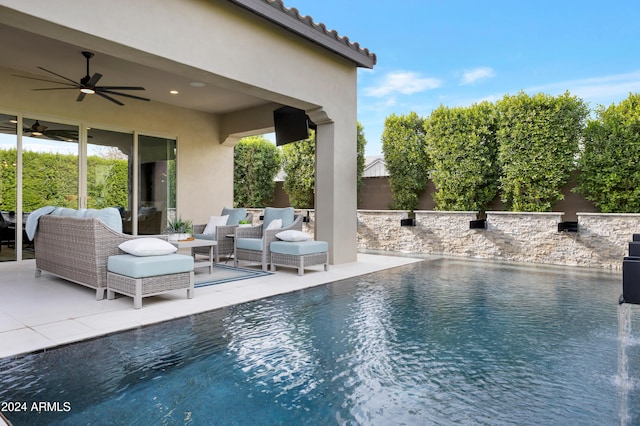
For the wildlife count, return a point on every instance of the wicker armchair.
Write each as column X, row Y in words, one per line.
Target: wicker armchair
column 225, row 245
column 251, row 244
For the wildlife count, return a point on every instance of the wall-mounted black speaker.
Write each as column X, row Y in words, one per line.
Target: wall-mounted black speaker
column 291, row 125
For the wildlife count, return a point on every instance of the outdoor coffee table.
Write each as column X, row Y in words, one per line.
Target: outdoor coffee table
column 213, row 251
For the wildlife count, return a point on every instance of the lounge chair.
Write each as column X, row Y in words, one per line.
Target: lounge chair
column 225, row 244
column 252, row 243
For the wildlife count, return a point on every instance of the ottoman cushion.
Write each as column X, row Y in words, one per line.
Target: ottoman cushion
column 299, row 248
column 151, row 266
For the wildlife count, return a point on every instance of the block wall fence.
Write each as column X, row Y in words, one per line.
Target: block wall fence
column 602, row 240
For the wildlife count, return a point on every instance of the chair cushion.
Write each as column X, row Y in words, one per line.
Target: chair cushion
column 211, row 237
column 152, row 266
column 235, row 215
column 285, row 213
column 249, row 243
column 299, row 248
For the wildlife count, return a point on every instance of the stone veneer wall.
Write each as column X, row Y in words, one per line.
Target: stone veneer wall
column 601, row 242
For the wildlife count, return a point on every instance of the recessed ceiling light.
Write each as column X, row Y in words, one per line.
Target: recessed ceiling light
column 197, row 84
column 173, row 92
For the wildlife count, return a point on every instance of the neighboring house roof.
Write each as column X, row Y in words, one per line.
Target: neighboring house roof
column 304, row 26
column 375, row 166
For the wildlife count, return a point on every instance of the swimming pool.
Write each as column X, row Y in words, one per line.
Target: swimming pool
column 438, row 342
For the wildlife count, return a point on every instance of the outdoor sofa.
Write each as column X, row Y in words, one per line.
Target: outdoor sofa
column 76, row 247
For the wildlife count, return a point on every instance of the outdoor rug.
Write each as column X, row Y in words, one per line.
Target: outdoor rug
column 224, row 274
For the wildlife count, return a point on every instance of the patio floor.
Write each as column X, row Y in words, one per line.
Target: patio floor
column 40, row 313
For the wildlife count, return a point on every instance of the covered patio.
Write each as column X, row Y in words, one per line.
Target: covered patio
column 40, row 313
column 213, row 72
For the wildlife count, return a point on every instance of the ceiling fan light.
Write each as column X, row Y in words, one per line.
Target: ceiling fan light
column 36, row 134
column 87, row 90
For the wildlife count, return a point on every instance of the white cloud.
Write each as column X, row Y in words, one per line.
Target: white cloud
column 604, row 90
column 403, row 82
column 471, row 76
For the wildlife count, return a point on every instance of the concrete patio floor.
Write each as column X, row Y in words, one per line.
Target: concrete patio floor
column 41, row 313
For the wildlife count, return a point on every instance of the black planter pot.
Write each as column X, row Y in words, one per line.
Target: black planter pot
column 568, row 226
column 478, row 224
column 407, row 222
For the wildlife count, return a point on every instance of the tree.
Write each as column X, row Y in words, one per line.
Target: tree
column 462, row 145
column 362, row 143
column 256, row 164
column 403, row 145
column 609, row 171
column 299, row 165
column 538, row 142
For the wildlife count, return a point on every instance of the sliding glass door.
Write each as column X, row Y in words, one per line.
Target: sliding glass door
column 8, row 191
column 47, row 163
column 156, row 183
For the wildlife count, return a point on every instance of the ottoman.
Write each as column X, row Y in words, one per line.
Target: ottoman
column 142, row 276
column 299, row 254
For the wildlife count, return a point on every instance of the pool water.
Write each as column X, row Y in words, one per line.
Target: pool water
column 444, row 341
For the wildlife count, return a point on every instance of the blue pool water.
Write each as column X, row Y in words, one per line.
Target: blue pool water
column 444, row 341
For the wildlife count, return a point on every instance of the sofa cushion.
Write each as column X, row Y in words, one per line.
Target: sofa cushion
column 109, row 215
column 249, row 243
column 140, row 267
column 235, row 215
column 285, row 213
column 299, row 248
column 147, row 247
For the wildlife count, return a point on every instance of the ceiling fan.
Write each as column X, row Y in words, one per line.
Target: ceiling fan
column 40, row 130
column 87, row 85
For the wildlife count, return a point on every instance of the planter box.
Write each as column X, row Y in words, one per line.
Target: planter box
column 478, row 224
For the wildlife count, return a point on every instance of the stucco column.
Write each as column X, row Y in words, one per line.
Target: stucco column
column 336, row 199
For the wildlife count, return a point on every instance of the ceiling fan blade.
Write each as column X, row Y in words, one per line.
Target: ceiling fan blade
column 48, row 81
column 58, row 75
column 57, row 88
column 94, row 79
column 99, row 91
column 80, row 97
column 115, row 101
column 120, row 88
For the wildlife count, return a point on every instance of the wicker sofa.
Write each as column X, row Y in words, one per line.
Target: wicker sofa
column 77, row 249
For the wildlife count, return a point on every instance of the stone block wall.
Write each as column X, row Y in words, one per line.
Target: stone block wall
column 602, row 240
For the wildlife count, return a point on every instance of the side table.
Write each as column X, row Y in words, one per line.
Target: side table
column 213, row 251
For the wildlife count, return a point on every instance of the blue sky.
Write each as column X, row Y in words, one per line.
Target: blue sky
column 460, row 52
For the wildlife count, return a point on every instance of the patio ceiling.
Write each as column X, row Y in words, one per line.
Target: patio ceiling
column 24, row 51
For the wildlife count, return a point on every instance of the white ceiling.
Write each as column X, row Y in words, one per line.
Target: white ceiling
column 24, row 52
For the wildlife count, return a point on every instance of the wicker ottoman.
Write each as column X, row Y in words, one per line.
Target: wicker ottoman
column 140, row 277
column 299, row 254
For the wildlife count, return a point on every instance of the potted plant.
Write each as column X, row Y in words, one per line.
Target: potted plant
column 243, row 223
column 179, row 229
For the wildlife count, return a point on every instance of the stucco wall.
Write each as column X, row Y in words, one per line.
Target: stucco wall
column 602, row 240
column 201, row 159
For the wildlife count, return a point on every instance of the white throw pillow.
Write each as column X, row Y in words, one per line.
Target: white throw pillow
column 293, row 235
column 147, row 247
column 214, row 222
column 275, row 224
